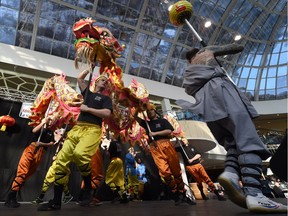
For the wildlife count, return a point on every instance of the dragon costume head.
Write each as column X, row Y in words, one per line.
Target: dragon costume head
column 94, row 43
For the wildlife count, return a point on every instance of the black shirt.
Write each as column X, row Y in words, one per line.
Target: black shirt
column 96, row 101
column 190, row 152
column 157, row 125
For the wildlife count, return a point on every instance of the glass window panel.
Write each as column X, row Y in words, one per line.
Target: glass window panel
column 281, row 81
column 60, row 49
column 8, row 17
column 23, row 39
column 68, row 16
column 274, row 59
column 178, row 80
column 145, row 72
column 262, row 95
column 263, row 83
column 276, row 47
column 272, row 72
column 254, row 72
column 281, row 93
column 46, row 28
column 257, row 60
column 164, row 47
column 245, row 72
column 10, row 4
column 49, row 10
column 242, row 83
column 133, row 69
column 282, row 70
column 169, row 31
column 169, row 76
column 251, row 84
column 270, row 95
column 43, row 44
column 250, row 95
column 63, row 33
column 156, row 75
column 283, row 58
column 26, row 22
column 271, row 83
column 264, row 72
column 7, row 35
column 249, row 59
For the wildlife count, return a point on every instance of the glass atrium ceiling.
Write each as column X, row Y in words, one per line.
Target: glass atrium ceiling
column 155, row 49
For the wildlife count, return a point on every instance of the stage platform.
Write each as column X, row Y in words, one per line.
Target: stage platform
column 211, row 207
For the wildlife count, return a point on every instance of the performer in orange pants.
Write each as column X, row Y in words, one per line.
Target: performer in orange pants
column 192, row 162
column 164, row 154
column 30, row 159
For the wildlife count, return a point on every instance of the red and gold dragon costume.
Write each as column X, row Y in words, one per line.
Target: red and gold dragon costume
column 97, row 44
column 58, row 101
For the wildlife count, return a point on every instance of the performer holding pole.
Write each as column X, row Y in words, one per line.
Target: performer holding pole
column 82, row 141
column 164, row 154
column 228, row 114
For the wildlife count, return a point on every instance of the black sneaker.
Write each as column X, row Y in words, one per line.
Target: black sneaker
column 37, row 201
column 124, row 199
column 187, row 199
column 86, row 198
column 12, row 203
column 50, row 206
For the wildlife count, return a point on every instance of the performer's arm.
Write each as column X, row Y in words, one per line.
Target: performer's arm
column 224, row 49
column 197, row 156
column 42, row 144
column 81, row 80
column 166, row 132
column 102, row 113
column 39, row 126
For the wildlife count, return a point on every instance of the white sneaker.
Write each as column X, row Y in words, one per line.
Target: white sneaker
column 230, row 182
column 261, row 204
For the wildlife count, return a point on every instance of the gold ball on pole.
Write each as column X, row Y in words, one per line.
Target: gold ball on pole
column 179, row 12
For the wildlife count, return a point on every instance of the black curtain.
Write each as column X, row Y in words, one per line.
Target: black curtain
column 15, row 139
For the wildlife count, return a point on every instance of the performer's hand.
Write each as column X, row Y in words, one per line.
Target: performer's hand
column 84, row 108
column 37, row 144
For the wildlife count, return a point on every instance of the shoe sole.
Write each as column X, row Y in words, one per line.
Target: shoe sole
column 235, row 196
column 266, row 210
column 67, row 201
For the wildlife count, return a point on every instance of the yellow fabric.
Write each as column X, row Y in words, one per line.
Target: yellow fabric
column 80, row 145
column 50, row 178
column 115, row 174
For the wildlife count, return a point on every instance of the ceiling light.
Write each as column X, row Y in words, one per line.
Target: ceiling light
column 207, row 24
column 237, row 37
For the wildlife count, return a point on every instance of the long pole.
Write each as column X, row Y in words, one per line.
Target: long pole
column 91, row 68
column 149, row 130
column 204, row 45
column 182, row 148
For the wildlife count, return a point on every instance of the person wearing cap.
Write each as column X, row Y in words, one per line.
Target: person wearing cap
column 82, row 140
column 229, row 114
column 164, row 154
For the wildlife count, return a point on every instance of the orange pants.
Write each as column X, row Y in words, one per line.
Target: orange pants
column 200, row 175
column 97, row 169
column 166, row 159
column 27, row 166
